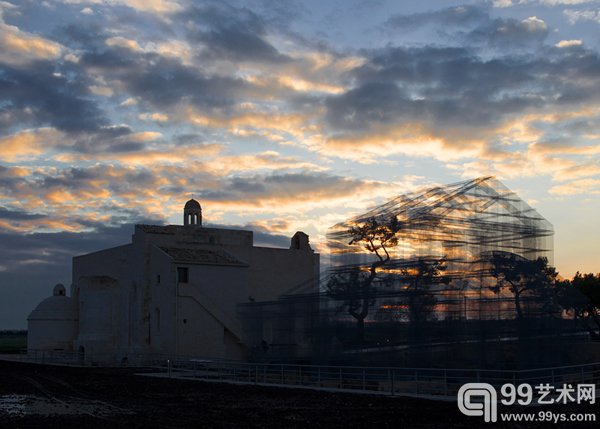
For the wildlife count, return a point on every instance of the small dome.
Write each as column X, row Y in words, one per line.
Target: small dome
column 59, row 290
column 58, row 307
column 192, row 204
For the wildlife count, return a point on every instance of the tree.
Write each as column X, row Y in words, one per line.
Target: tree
column 355, row 287
column 520, row 275
column 586, row 304
column 423, row 273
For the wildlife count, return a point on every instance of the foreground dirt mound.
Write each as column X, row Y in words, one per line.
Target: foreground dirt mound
column 61, row 397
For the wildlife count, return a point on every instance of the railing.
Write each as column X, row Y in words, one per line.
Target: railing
column 430, row 382
column 73, row 358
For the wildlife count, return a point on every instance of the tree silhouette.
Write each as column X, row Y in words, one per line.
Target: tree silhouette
column 520, row 275
column 582, row 295
column 355, row 287
column 424, row 272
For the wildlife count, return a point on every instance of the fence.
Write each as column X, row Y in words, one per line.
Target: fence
column 436, row 383
column 431, row 382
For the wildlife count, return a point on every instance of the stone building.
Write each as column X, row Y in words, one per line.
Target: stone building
column 172, row 290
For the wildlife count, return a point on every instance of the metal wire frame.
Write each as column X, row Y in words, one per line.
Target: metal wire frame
column 461, row 224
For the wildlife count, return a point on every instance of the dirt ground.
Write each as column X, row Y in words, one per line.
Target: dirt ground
column 39, row 396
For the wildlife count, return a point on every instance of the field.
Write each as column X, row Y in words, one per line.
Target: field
column 13, row 341
column 62, row 397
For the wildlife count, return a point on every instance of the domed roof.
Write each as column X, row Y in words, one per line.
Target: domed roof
column 57, row 307
column 192, row 204
column 59, row 289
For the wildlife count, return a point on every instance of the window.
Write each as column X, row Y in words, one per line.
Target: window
column 182, row 274
column 158, row 278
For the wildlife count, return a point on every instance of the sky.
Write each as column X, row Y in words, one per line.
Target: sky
column 282, row 115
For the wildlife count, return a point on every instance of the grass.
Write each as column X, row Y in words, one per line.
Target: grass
column 13, row 341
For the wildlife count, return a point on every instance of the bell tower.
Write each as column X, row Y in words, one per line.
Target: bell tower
column 192, row 213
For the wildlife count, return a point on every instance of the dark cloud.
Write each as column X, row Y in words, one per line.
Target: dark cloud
column 41, row 95
column 465, row 15
column 259, row 189
column 473, row 25
column 18, row 214
column 455, row 87
column 112, row 139
column 185, row 139
column 163, row 82
column 90, row 36
column 236, row 34
column 510, row 33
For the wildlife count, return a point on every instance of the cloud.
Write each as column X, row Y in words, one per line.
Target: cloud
column 237, row 34
column 577, row 172
column 18, row 214
column 569, row 43
column 577, row 187
column 510, row 33
column 565, row 2
column 154, row 6
column 27, row 144
column 234, row 102
column 465, row 15
column 158, row 7
column 289, row 191
column 406, row 97
column 147, row 157
column 122, row 42
column 509, row 3
column 40, row 97
column 19, row 48
column 472, row 24
column 582, row 15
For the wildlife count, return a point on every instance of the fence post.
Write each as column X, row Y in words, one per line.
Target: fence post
column 340, row 377
column 445, row 383
column 364, row 380
column 319, row 376
column 169, row 367
column 417, row 381
column 282, row 378
column 393, row 377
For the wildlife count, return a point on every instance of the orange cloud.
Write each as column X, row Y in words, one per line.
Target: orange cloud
column 20, row 47
column 27, row 144
column 577, row 187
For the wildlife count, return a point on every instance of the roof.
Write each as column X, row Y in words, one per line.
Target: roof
column 192, row 204
column 159, row 229
column 476, row 211
column 56, row 307
column 202, row 256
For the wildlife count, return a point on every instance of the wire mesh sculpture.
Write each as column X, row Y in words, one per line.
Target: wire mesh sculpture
column 450, row 275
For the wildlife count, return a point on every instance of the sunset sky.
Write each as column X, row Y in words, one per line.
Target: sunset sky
column 284, row 115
